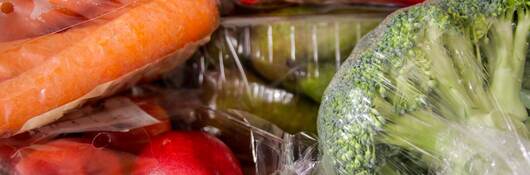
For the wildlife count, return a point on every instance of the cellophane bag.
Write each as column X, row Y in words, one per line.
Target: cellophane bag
column 274, row 67
column 253, row 6
column 56, row 55
column 116, row 136
column 277, row 66
column 437, row 88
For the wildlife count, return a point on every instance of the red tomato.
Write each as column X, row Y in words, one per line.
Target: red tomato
column 68, row 157
column 187, row 153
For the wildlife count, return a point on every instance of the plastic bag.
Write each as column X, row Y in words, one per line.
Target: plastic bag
column 428, row 92
column 119, row 133
column 276, row 66
column 56, row 55
column 112, row 132
column 268, row 4
column 261, row 147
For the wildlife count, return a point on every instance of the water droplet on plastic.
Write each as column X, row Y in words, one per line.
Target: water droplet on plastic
column 7, row 7
column 101, row 140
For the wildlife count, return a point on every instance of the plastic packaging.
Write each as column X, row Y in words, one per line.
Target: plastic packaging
column 57, row 55
column 276, row 66
column 274, row 4
column 261, row 147
column 118, row 141
column 430, row 92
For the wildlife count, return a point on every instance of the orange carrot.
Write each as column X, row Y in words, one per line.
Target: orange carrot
column 19, row 56
column 143, row 34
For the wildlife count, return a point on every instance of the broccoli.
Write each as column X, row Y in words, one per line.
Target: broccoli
column 435, row 89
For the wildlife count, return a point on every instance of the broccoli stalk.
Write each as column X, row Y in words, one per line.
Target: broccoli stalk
column 463, row 96
column 443, row 81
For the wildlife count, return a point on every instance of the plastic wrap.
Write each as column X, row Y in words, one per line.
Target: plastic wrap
column 57, row 55
column 261, row 147
column 276, row 66
column 435, row 89
column 265, row 3
column 125, row 135
column 251, row 6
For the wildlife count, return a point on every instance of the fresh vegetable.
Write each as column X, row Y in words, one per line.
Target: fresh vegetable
column 378, row 2
column 120, row 46
column 289, row 111
column 303, row 54
column 187, row 153
column 434, row 90
column 22, row 19
column 65, row 157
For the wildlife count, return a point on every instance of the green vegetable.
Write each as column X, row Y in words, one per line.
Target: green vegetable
column 302, row 55
column 289, row 111
column 439, row 81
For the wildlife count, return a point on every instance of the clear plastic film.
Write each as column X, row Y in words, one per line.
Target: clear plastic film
column 56, row 55
column 276, row 66
column 127, row 134
column 268, row 4
column 437, row 88
column 261, row 147
column 101, row 138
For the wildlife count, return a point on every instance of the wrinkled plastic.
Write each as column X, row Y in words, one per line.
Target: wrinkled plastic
column 57, row 55
column 428, row 92
column 279, row 3
column 71, row 145
column 276, row 66
column 261, row 147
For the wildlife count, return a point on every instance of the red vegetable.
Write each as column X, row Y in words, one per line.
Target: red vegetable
column 66, row 157
column 187, row 153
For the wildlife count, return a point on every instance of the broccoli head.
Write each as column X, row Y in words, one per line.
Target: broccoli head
column 435, row 89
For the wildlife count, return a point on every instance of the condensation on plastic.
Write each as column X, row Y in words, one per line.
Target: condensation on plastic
column 365, row 130
column 36, row 34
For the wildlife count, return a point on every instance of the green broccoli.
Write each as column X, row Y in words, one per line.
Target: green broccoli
column 437, row 86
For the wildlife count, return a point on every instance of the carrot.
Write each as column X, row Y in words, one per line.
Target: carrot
column 19, row 56
column 34, row 18
column 144, row 34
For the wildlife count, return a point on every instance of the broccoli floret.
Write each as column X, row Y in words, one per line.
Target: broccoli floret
column 441, row 80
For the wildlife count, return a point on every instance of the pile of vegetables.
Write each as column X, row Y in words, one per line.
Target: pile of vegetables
column 285, row 65
column 436, row 89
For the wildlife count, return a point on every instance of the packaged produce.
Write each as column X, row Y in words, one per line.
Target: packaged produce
column 126, row 133
column 435, row 89
column 289, row 111
column 277, row 65
column 133, row 140
column 187, row 153
column 298, row 48
column 56, row 55
column 276, row 3
column 64, row 156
